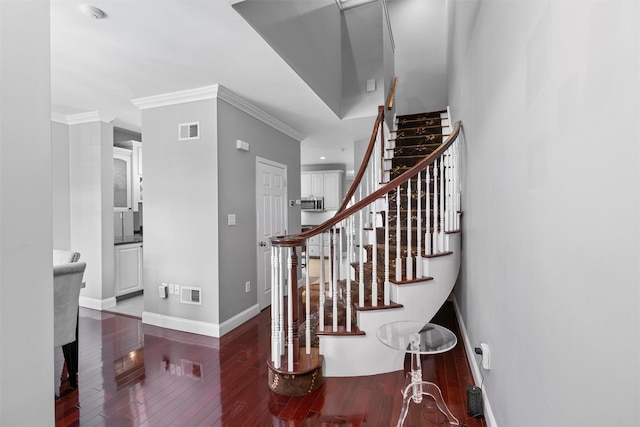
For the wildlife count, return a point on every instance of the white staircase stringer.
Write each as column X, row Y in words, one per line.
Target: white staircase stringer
column 349, row 356
column 364, row 354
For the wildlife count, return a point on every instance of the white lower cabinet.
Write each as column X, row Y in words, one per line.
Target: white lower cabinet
column 128, row 268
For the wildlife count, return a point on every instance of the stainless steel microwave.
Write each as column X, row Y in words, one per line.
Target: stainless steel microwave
column 312, row 204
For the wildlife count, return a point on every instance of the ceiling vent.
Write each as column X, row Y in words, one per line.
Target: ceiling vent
column 190, row 295
column 188, row 131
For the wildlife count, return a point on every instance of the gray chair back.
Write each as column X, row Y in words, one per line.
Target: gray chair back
column 67, row 281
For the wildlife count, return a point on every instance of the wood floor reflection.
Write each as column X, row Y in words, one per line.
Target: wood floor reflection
column 132, row 374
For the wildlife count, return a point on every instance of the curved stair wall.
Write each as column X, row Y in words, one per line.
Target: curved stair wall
column 393, row 253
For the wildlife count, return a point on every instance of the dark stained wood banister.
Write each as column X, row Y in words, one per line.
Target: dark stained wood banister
column 297, row 239
column 392, row 94
column 365, row 160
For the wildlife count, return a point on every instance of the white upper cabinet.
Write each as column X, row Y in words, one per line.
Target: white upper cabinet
column 327, row 184
column 121, row 179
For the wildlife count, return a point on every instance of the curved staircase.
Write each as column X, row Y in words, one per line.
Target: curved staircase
column 394, row 254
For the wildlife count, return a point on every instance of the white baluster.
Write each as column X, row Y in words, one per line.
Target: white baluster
column 307, row 329
column 419, row 228
column 348, row 269
column 374, row 257
column 290, row 351
column 409, row 266
column 427, row 235
column 361, row 258
column 333, row 265
column 321, row 288
column 398, row 235
column 275, row 315
column 441, row 234
column 436, row 225
column 387, row 284
column 281, row 308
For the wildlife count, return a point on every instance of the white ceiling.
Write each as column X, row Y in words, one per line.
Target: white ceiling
column 144, row 48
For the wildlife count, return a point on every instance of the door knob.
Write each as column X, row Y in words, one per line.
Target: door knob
column 263, row 244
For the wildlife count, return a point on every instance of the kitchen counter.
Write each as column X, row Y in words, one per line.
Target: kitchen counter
column 124, row 240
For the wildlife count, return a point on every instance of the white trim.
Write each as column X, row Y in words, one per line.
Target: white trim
column 475, row 368
column 212, row 92
column 90, row 117
column 97, row 304
column 237, row 320
column 198, row 327
column 234, row 100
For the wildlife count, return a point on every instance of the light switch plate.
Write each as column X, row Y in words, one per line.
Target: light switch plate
column 231, row 219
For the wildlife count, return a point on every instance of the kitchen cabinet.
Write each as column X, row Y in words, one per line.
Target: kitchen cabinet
column 127, row 177
column 128, row 268
column 326, row 184
column 136, row 174
column 313, row 245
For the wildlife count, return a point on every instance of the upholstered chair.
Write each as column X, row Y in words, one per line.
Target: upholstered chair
column 67, row 281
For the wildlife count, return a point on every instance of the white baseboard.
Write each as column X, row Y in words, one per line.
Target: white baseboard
column 475, row 368
column 198, row 327
column 97, row 304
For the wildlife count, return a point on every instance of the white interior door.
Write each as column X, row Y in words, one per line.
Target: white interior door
column 272, row 219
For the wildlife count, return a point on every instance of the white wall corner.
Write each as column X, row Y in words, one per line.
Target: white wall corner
column 475, row 368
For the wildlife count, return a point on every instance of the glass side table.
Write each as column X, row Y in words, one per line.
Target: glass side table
column 419, row 338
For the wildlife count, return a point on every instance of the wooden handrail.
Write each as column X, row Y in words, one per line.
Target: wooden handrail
column 365, row 161
column 392, row 94
column 297, row 239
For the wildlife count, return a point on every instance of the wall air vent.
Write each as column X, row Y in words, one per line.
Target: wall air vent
column 188, row 131
column 190, row 295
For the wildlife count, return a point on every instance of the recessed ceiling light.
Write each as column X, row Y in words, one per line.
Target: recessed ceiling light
column 323, row 158
column 92, row 12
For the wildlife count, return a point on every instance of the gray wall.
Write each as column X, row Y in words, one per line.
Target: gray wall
column 307, row 35
column 362, row 60
column 26, row 282
column 190, row 187
column 548, row 93
column 181, row 209
column 419, row 30
column 61, row 203
column 237, row 194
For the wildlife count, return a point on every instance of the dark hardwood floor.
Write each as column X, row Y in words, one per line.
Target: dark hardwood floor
column 139, row 375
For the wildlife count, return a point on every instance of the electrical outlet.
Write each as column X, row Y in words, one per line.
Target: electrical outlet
column 247, row 286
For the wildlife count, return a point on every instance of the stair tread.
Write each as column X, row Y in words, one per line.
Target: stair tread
column 368, row 307
column 328, row 330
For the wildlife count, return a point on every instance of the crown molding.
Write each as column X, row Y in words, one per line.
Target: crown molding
column 231, row 98
column 74, row 119
column 220, row 92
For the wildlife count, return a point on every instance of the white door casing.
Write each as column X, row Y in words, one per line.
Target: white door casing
column 271, row 206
